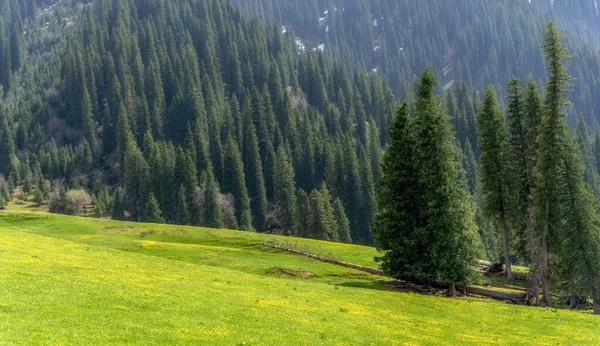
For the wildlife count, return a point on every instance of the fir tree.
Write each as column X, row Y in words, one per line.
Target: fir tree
column 151, row 212
column 212, row 208
column 304, row 215
column 342, row 221
column 235, row 184
column 564, row 205
column 182, row 211
column 551, row 151
column 426, row 224
column 285, row 191
column 495, row 171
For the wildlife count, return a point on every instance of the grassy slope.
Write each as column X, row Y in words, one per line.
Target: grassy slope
column 67, row 280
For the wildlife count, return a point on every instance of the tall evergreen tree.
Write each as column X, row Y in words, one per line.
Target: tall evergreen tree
column 426, row 224
column 235, row 184
column 342, row 221
column 151, row 212
column 212, row 208
column 495, row 171
column 564, row 207
column 285, row 191
column 254, row 173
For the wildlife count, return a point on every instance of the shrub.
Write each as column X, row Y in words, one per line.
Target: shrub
column 69, row 203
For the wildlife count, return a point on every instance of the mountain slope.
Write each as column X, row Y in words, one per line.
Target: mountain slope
column 57, row 287
column 185, row 99
column 480, row 42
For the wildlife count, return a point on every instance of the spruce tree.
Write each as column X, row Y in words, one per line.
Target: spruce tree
column 584, row 142
column 235, row 184
column 212, row 208
column 304, row 215
column 182, row 211
column 495, row 171
column 565, row 211
column 342, row 221
column 151, row 212
column 325, row 223
column 551, row 151
column 254, row 174
column 285, row 191
column 426, row 224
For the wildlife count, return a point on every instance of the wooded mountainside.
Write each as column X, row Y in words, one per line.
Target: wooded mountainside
column 479, row 42
column 201, row 112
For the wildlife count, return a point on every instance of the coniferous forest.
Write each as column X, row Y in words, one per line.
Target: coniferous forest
column 440, row 133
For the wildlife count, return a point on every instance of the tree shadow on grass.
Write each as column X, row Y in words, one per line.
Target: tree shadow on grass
column 372, row 285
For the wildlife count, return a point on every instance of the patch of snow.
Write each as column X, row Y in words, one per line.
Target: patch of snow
column 283, row 29
column 300, row 44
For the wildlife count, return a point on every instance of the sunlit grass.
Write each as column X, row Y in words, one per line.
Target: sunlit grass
column 74, row 281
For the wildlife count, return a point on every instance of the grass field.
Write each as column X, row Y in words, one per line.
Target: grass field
column 75, row 281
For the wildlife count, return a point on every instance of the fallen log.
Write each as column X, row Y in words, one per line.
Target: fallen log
column 331, row 261
column 515, row 297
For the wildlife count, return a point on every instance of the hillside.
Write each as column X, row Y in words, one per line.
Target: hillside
column 480, row 42
column 299, row 122
column 72, row 280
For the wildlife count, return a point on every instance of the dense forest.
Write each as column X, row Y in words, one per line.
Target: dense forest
column 213, row 119
column 201, row 112
column 479, row 42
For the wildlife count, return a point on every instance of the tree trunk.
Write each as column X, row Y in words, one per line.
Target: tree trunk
column 547, row 299
column 506, row 246
column 451, row 290
column 533, row 266
column 596, row 306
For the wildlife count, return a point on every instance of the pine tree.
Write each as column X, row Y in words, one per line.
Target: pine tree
column 470, row 165
column 584, row 141
column 342, row 221
column 89, row 127
column 151, row 212
column 285, row 191
column 212, row 208
column 564, row 204
column 580, row 252
column 325, row 223
column 136, row 178
column 426, row 224
column 235, row 184
column 495, row 171
column 552, row 143
column 119, row 205
column 304, row 215
column 182, row 211
column 254, row 173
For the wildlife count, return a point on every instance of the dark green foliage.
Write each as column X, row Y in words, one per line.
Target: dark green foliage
column 136, row 178
column 254, row 171
column 325, row 224
column 285, row 191
column 342, row 221
column 212, row 208
column 564, row 206
column 304, row 215
column 151, row 212
column 495, row 172
column 426, row 224
column 235, row 184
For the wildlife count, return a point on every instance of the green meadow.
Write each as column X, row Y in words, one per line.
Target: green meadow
column 80, row 281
